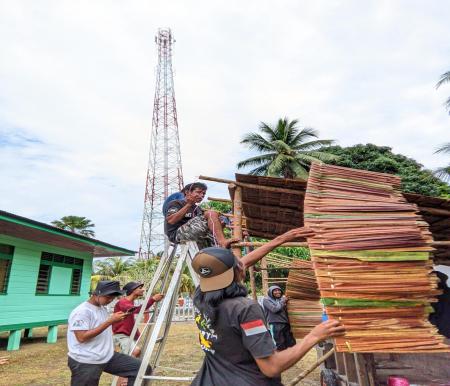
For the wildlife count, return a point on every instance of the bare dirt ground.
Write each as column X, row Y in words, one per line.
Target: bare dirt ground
column 40, row 364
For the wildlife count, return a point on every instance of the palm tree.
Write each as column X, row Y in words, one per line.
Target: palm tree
column 112, row 266
column 76, row 224
column 287, row 151
column 445, row 78
column 443, row 172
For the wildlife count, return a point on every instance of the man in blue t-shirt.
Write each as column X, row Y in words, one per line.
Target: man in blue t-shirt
column 186, row 221
column 174, row 196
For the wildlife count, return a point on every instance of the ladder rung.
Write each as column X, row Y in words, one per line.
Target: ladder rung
column 165, row 378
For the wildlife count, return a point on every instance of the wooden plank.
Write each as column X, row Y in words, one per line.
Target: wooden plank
column 339, row 360
column 350, row 367
column 370, row 369
column 362, row 370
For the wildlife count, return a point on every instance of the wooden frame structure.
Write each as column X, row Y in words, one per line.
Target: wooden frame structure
column 267, row 207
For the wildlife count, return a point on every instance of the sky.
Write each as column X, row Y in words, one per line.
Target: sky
column 77, row 82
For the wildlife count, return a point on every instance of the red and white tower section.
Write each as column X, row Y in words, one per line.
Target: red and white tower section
column 164, row 173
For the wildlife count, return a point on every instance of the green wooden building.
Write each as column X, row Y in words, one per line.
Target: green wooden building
column 44, row 274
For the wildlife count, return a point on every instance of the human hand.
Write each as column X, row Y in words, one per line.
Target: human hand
column 296, row 233
column 117, row 317
column 328, row 329
column 190, row 198
column 157, row 297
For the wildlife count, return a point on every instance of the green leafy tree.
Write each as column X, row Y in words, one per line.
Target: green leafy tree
column 445, row 78
column 443, row 172
column 76, row 224
column 415, row 179
column 112, row 266
column 286, row 150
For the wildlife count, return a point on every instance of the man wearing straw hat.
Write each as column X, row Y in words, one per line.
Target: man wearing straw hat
column 233, row 333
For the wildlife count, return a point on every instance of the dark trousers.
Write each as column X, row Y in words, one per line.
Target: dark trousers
column 86, row 374
column 282, row 335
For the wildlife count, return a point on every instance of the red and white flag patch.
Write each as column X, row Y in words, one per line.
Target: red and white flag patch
column 254, row 327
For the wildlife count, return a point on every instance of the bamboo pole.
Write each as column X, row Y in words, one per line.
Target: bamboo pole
column 251, row 273
column 237, row 218
column 265, row 276
column 261, row 243
column 304, row 373
column 253, row 186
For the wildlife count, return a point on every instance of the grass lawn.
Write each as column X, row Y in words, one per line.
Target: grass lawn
column 40, row 364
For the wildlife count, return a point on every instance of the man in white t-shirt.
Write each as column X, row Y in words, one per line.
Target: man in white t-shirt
column 90, row 340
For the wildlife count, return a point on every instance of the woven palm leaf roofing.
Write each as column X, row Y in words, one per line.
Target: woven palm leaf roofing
column 27, row 229
column 271, row 213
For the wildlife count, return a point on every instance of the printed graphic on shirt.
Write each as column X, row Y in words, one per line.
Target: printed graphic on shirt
column 174, row 209
column 79, row 323
column 254, row 327
column 206, row 336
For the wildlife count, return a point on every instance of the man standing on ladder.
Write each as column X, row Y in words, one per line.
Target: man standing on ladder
column 239, row 349
column 186, row 221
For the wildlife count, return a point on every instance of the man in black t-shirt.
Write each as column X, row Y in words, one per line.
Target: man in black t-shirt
column 186, row 221
column 233, row 333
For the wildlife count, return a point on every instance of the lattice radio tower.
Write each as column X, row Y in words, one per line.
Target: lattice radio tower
column 164, row 172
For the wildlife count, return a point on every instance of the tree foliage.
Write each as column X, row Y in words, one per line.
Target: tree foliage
column 76, row 224
column 415, row 179
column 443, row 172
column 112, row 266
column 445, row 78
column 285, row 150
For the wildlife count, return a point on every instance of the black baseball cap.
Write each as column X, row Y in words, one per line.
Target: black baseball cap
column 131, row 286
column 215, row 267
column 108, row 288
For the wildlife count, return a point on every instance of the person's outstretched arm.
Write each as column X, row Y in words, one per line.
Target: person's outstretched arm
column 280, row 361
column 253, row 257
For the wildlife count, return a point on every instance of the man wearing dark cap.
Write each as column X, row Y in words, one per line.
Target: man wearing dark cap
column 122, row 329
column 90, row 343
column 233, row 333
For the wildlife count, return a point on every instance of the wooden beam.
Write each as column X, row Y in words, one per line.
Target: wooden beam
column 254, row 186
column 434, row 211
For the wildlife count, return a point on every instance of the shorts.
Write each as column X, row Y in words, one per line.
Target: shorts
column 196, row 230
column 123, row 342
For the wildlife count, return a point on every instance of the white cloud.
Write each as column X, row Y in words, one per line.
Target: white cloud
column 79, row 76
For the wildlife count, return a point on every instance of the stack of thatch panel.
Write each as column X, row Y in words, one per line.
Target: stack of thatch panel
column 371, row 255
column 304, row 308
